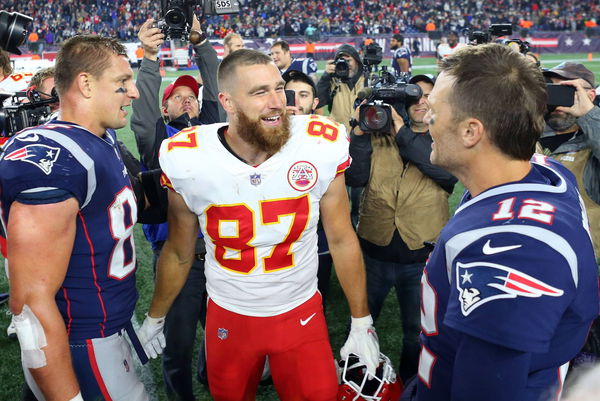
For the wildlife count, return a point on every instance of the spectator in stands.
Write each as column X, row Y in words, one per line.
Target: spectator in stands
column 337, row 90
column 180, row 109
column 401, row 57
column 282, row 56
column 574, row 137
column 403, row 209
column 231, row 43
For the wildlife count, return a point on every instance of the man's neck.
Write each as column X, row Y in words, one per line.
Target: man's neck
column 571, row 130
column 246, row 152
column 482, row 175
column 418, row 127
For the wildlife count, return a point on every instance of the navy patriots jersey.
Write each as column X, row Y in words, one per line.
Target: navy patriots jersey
column 57, row 161
column 401, row 52
column 305, row 65
column 514, row 267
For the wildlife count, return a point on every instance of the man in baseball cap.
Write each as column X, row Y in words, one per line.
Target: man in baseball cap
column 573, row 137
column 182, row 96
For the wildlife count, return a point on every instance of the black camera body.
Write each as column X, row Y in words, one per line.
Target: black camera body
column 342, row 69
column 18, row 115
column 386, row 91
column 177, row 15
column 480, row 37
column 373, row 54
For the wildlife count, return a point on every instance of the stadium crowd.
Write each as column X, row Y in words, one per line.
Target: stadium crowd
column 58, row 19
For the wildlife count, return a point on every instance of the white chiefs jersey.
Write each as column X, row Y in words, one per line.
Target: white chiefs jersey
column 17, row 82
column 444, row 49
column 259, row 223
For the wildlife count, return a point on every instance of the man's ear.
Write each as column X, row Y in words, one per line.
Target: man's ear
column 471, row 132
column 591, row 94
column 226, row 101
column 315, row 104
column 164, row 111
column 85, row 84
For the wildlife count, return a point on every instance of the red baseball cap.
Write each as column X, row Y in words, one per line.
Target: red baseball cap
column 184, row 80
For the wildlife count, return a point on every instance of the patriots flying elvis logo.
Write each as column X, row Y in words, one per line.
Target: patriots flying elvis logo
column 482, row 282
column 42, row 156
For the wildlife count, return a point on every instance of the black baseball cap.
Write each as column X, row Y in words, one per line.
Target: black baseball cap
column 570, row 70
column 295, row 75
column 422, row 77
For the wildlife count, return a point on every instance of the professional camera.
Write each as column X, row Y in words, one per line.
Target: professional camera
column 373, row 54
column 386, row 91
column 19, row 115
column 12, row 31
column 177, row 15
column 495, row 30
column 342, row 69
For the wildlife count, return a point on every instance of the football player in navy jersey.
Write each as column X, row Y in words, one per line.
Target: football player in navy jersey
column 280, row 52
column 511, row 288
column 64, row 187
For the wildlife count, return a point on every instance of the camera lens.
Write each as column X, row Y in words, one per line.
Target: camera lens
column 175, row 18
column 375, row 118
column 12, row 30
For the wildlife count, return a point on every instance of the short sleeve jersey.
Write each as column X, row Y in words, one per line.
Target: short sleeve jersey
column 401, row 52
column 98, row 295
column 514, row 267
column 259, row 222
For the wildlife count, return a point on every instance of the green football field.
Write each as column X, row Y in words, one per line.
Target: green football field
column 388, row 325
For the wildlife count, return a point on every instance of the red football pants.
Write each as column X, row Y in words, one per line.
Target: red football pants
column 297, row 343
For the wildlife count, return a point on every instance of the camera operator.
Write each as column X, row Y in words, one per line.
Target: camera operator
column 574, row 137
column 403, row 209
column 180, row 109
column 340, row 83
column 43, row 82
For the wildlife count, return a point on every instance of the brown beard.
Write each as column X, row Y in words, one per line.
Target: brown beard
column 269, row 140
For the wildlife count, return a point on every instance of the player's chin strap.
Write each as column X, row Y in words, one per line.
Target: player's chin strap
column 137, row 345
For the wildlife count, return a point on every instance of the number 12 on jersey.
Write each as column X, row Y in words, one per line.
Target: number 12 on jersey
column 270, row 212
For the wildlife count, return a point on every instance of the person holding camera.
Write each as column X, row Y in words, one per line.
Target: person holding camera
column 404, row 207
column 339, row 85
column 511, row 287
column 65, row 189
column 179, row 109
column 573, row 137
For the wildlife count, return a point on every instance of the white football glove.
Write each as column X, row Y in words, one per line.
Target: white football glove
column 151, row 336
column 363, row 342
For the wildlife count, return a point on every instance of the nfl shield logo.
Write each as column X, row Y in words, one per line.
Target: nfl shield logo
column 222, row 333
column 255, row 179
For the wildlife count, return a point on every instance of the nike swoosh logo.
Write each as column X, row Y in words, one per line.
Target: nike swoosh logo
column 305, row 321
column 489, row 250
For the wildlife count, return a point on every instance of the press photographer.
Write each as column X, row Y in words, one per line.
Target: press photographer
column 403, row 209
column 340, row 83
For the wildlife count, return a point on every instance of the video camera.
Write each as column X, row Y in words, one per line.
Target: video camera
column 385, row 91
column 12, row 31
column 177, row 15
column 494, row 31
column 19, row 115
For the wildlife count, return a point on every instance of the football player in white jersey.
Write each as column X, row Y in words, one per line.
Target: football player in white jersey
column 256, row 187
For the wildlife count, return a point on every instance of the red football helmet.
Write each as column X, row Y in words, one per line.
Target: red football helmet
column 356, row 384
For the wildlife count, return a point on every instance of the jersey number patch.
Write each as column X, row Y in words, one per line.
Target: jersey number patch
column 121, row 217
column 245, row 259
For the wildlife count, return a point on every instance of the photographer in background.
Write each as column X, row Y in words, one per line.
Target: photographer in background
column 403, row 209
column 340, row 83
column 151, row 124
column 574, row 138
column 43, row 82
